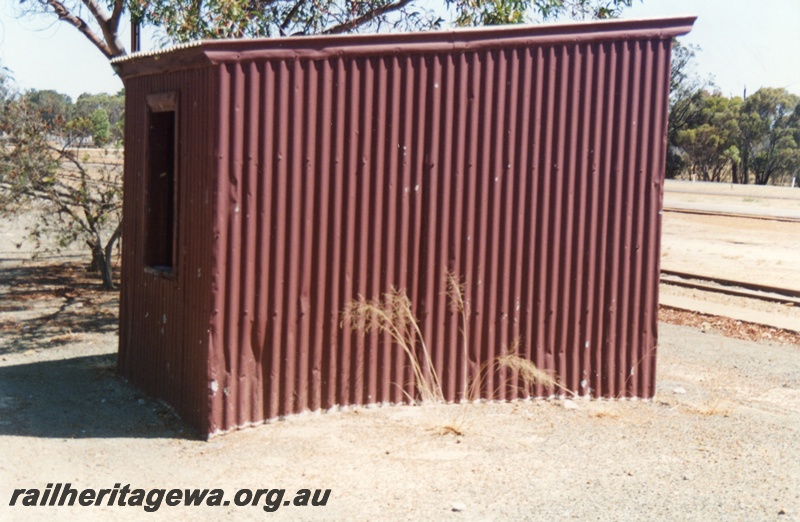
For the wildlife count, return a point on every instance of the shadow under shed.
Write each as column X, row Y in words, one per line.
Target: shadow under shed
column 81, row 397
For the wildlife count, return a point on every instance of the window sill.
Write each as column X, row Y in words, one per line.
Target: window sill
column 167, row 272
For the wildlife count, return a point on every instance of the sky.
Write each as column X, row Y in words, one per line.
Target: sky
column 745, row 43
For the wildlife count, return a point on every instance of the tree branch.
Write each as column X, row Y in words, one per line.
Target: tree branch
column 289, row 17
column 76, row 21
column 108, row 25
column 119, row 5
column 366, row 17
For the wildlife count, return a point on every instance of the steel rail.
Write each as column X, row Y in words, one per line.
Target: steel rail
column 784, row 219
column 730, row 287
column 730, row 195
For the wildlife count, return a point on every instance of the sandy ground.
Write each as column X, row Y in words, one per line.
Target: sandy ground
column 719, row 441
column 765, row 252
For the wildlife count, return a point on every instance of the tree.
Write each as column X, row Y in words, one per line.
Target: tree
column 79, row 198
column 101, row 128
column 184, row 20
column 770, row 126
column 113, row 105
column 54, row 108
column 496, row 12
column 708, row 144
column 686, row 91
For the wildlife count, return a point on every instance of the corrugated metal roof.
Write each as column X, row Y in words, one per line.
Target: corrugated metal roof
column 157, row 52
column 321, row 46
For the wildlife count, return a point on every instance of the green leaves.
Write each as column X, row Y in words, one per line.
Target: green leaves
column 770, row 126
column 721, row 136
column 101, row 127
column 185, row 20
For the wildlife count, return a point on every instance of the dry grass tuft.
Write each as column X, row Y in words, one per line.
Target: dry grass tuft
column 710, row 409
column 526, row 369
column 450, row 429
column 65, row 338
column 604, row 411
column 391, row 313
column 455, row 293
column 530, row 373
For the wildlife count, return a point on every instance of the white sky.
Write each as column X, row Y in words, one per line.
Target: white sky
column 750, row 43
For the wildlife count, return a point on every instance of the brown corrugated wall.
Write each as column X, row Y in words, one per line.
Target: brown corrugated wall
column 528, row 161
column 534, row 173
column 164, row 322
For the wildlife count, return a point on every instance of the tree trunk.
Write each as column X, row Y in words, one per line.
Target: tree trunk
column 98, row 258
column 107, row 270
column 745, row 164
column 101, row 258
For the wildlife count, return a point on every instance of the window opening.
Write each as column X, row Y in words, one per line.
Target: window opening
column 160, row 211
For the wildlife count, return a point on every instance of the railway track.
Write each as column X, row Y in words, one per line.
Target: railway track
column 764, row 217
column 730, row 287
column 731, row 194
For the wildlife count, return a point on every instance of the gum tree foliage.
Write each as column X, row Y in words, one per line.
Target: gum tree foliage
column 112, row 104
column 722, row 136
column 77, row 196
column 709, row 144
column 101, row 127
column 686, row 89
column 182, row 20
column 711, row 137
column 770, row 128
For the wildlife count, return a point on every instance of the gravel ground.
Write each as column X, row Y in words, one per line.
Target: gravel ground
column 719, row 442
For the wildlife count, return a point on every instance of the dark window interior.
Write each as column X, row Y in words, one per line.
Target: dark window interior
column 161, row 192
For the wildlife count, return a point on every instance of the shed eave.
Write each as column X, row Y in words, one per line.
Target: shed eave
column 208, row 52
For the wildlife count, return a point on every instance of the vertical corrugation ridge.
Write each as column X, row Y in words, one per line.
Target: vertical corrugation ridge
column 655, row 169
column 509, row 222
column 546, row 312
column 495, row 269
column 485, row 85
column 519, row 157
column 377, row 357
column 470, row 274
column 582, row 261
column 639, row 220
column 607, row 129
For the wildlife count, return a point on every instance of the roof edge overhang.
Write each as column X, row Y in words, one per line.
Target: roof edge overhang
column 211, row 52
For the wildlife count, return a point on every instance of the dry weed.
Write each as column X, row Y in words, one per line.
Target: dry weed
column 391, row 313
column 530, row 374
column 455, row 293
column 64, row 338
column 449, row 429
column 604, row 411
column 710, row 409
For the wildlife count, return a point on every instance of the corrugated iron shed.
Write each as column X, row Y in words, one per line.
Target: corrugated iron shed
column 309, row 171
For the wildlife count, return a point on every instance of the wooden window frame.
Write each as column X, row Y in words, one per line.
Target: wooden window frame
column 154, row 261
